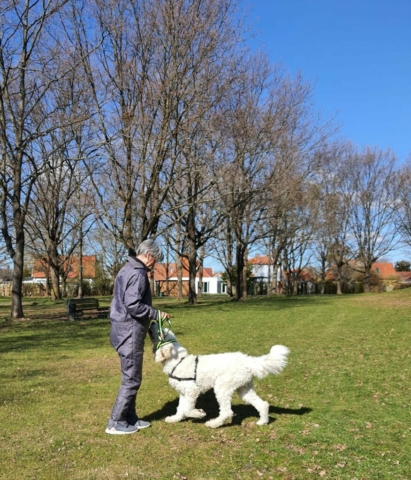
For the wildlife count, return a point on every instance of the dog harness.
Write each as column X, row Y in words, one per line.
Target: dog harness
column 194, row 379
column 162, row 341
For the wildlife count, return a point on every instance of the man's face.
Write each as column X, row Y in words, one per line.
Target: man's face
column 150, row 260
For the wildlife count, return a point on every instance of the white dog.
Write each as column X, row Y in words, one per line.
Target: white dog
column 226, row 373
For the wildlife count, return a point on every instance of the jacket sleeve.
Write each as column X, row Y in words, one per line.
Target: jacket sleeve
column 134, row 295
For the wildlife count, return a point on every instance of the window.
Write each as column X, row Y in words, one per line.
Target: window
column 205, row 287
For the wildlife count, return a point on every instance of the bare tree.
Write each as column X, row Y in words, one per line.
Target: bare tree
column 274, row 138
column 403, row 217
column 373, row 177
column 144, row 81
column 34, row 62
column 206, row 83
column 286, row 229
column 246, row 121
column 108, row 249
column 333, row 194
column 53, row 223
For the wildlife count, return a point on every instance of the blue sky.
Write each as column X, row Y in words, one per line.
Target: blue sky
column 357, row 56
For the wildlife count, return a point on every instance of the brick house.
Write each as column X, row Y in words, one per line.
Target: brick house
column 70, row 266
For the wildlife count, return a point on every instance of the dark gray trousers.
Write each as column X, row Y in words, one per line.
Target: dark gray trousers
column 131, row 353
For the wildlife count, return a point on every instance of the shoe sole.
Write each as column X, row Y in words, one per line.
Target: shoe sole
column 117, row 432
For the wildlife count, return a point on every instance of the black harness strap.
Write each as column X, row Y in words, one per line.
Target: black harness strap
column 185, row 379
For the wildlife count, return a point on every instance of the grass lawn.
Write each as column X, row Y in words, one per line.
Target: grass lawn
column 340, row 410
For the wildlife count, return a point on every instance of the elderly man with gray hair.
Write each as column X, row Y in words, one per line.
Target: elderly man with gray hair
column 132, row 316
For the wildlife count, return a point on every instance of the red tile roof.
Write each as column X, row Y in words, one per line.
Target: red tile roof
column 384, row 269
column 263, row 260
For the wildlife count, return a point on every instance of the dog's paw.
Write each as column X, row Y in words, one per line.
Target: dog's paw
column 213, row 424
column 197, row 413
column 217, row 422
column 173, row 419
column 262, row 421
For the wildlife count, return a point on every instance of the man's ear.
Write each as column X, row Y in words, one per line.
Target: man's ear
column 164, row 353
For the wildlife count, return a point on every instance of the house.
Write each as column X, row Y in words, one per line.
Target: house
column 262, row 267
column 212, row 282
column 70, row 267
column 390, row 277
column 384, row 269
column 383, row 275
column 404, row 279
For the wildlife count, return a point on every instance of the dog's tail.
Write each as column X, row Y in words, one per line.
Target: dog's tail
column 273, row 363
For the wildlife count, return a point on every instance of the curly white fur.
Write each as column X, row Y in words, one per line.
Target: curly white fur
column 226, row 373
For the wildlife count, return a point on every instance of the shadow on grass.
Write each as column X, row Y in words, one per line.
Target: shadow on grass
column 54, row 336
column 208, row 403
column 59, row 338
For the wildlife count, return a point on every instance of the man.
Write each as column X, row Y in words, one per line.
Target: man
column 130, row 314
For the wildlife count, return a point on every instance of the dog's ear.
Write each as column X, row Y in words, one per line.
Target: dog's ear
column 163, row 353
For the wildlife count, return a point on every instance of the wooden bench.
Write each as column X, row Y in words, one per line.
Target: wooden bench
column 77, row 306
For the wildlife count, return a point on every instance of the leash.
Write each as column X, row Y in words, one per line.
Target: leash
column 185, row 379
column 161, row 336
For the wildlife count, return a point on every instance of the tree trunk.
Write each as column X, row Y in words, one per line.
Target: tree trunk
column 80, row 266
column 273, row 288
column 229, row 283
column 192, row 273
column 54, row 267
column 64, row 287
column 55, row 287
column 240, row 251
column 339, row 289
column 367, row 278
column 200, row 272
column 323, row 274
column 48, row 288
column 244, row 279
column 295, row 285
column 179, row 262
column 229, row 243
column 192, row 255
column 167, row 292
column 17, row 285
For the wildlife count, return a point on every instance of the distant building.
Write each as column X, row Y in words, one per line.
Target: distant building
column 70, row 267
column 212, row 282
column 404, row 278
column 384, row 269
column 262, row 267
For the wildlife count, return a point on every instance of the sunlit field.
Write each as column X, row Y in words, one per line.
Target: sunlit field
column 340, row 410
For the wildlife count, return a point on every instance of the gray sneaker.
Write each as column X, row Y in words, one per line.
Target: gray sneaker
column 142, row 424
column 119, row 429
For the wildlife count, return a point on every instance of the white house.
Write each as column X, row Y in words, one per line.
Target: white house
column 212, row 282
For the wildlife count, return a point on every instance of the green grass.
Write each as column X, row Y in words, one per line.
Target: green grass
column 340, row 410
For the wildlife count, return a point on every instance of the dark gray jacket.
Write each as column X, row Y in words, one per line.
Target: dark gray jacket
column 131, row 301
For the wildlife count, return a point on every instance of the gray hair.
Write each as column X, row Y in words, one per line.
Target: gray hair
column 150, row 246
